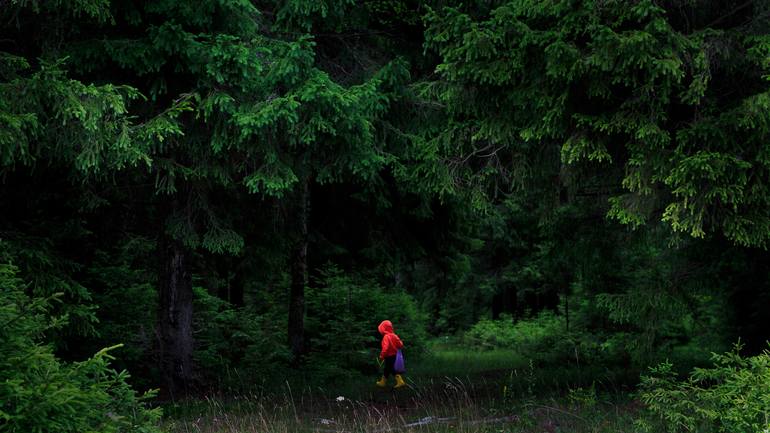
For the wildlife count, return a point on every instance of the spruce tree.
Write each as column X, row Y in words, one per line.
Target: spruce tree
column 647, row 87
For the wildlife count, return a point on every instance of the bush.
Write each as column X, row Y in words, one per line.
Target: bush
column 542, row 338
column 125, row 290
column 732, row 396
column 39, row 393
column 527, row 335
column 343, row 313
column 234, row 347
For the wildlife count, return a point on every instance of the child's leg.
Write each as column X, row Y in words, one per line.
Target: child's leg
column 390, row 362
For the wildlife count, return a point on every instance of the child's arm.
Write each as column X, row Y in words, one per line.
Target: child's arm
column 385, row 345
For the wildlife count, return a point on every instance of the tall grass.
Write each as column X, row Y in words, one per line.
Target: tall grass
column 444, row 405
column 450, row 390
column 450, row 407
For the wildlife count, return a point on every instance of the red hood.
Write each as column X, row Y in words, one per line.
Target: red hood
column 385, row 327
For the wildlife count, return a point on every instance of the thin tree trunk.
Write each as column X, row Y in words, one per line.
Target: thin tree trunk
column 175, row 317
column 299, row 277
column 221, row 276
column 237, row 288
column 566, row 309
column 498, row 305
column 230, row 270
column 504, row 302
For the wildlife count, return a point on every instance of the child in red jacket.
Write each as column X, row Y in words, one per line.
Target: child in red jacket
column 390, row 346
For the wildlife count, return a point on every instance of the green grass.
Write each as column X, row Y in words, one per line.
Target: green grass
column 460, row 390
column 451, row 362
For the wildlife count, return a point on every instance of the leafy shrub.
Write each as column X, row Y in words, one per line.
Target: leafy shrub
column 235, row 346
column 125, row 290
column 342, row 317
column 526, row 335
column 39, row 393
column 543, row 338
column 45, row 272
column 732, row 396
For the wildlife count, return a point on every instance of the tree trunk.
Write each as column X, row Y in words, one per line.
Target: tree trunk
column 566, row 309
column 498, row 305
column 175, row 317
column 230, row 271
column 299, row 277
column 505, row 301
column 237, row 284
column 221, row 276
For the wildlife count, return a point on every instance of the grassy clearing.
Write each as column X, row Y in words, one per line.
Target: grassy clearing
column 450, row 391
column 456, row 362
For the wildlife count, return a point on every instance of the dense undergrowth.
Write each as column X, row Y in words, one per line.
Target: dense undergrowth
column 450, row 389
column 454, row 385
column 225, row 197
column 238, row 346
column 454, row 389
column 41, row 393
column 531, row 375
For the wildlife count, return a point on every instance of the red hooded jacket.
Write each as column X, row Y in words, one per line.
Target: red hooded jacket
column 390, row 341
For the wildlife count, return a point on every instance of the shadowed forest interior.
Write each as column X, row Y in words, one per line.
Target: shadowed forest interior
column 209, row 206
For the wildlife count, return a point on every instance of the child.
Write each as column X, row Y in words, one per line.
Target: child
column 390, row 345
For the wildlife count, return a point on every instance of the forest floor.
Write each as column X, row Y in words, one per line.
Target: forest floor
column 449, row 391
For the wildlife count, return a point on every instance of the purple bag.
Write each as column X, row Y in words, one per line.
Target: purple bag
column 398, row 366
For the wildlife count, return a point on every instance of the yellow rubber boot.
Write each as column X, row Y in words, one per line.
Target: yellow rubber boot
column 382, row 383
column 399, row 381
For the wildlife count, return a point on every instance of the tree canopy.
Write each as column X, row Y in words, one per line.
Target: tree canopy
column 232, row 185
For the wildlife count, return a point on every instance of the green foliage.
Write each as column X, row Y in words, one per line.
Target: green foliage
column 236, row 346
column 123, row 289
column 40, row 393
column 73, row 9
column 527, row 335
column 543, row 338
column 46, row 115
column 468, row 175
column 301, row 15
column 611, row 85
column 254, row 111
column 729, row 396
column 343, row 313
column 662, row 306
column 47, row 273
